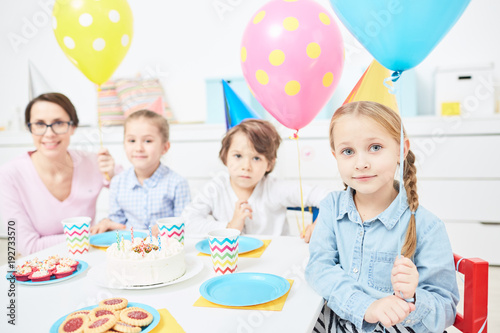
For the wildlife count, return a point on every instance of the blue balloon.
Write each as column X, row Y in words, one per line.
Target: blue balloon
column 399, row 33
column 236, row 109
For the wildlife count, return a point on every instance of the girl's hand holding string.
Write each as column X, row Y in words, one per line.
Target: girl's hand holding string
column 404, row 278
column 106, row 163
column 308, row 232
column 389, row 311
column 242, row 210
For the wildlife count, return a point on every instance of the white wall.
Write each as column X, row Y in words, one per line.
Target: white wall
column 185, row 42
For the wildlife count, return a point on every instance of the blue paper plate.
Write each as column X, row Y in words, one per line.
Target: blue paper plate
column 244, row 289
column 82, row 266
column 153, row 311
column 245, row 244
column 108, row 238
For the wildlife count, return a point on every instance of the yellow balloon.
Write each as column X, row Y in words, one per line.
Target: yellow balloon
column 94, row 35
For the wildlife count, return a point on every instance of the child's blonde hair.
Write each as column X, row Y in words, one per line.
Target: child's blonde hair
column 263, row 136
column 390, row 120
column 156, row 119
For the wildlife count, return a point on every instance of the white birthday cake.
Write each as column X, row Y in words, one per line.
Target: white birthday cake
column 144, row 263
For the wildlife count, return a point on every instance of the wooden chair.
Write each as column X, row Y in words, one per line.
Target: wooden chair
column 475, row 298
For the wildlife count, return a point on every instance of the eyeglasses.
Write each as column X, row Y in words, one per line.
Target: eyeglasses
column 58, row 127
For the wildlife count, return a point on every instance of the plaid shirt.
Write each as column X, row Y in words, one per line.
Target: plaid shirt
column 164, row 194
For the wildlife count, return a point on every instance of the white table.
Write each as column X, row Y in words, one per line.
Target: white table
column 38, row 307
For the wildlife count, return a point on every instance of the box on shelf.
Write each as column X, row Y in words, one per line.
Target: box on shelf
column 465, row 91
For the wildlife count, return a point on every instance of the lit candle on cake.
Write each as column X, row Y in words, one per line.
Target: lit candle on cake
column 117, row 240
column 159, row 243
column 132, row 234
column 150, row 235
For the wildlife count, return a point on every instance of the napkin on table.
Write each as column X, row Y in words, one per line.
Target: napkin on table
column 167, row 323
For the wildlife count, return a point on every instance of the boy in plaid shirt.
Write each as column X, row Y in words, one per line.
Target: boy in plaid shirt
column 150, row 190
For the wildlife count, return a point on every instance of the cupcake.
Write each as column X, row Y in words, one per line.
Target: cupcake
column 61, row 271
column 68, row 262
column 23, row 272
column 40, row 275
column 53, row 260
column 49, row 266
column 33, row 263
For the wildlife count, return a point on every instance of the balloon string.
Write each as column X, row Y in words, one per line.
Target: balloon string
column 303, row 231
column 401, row 154
column 392, row 90
column 106, row 175
column 99, row 124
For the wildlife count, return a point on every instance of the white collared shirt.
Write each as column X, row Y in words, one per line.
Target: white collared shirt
column 213, row 207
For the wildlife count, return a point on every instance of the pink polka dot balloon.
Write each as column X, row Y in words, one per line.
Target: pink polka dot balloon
column 292, row 57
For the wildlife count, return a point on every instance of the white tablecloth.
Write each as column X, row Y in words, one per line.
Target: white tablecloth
column 38, row 307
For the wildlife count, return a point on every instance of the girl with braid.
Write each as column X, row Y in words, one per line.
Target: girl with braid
column 382, row 262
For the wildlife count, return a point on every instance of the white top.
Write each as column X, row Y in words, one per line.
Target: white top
column 213, row 206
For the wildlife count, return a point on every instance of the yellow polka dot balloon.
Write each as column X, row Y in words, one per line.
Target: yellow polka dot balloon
column 94, row 35
column 292, row 57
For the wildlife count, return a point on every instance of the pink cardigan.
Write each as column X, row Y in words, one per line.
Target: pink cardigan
column 37, row 213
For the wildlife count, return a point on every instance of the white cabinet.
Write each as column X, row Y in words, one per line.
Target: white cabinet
column 459, row 180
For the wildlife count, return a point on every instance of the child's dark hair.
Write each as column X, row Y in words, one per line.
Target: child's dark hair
column 156, row 119
column 263, row 136
column 391, row 121
column 56, row 98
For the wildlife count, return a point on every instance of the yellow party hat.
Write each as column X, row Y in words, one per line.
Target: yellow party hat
column 370, row 87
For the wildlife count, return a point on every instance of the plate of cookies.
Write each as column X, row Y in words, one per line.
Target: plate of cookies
column 110, row 314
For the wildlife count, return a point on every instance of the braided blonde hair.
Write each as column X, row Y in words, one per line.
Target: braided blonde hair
column 391, row 121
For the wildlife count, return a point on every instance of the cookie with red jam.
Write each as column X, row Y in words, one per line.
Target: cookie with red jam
column 73, row 323
column 101, row 324
column 115, row 303
column 136, row 316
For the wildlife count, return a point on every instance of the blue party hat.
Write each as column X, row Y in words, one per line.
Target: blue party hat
column 236, row 109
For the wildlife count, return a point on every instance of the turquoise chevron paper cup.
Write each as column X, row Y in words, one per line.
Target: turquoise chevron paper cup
column 224, row 250
column 172, row 227
column 77, row 230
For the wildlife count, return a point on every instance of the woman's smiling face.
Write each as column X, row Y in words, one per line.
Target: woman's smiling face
column 50, row 144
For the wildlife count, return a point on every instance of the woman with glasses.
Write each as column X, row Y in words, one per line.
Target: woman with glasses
column 42, row 187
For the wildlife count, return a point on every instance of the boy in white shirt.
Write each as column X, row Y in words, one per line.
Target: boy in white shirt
column 246, row 198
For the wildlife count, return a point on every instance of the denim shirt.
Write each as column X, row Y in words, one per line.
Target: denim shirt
column 351, row 261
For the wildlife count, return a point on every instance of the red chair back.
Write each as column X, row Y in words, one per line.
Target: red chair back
column 475, row 300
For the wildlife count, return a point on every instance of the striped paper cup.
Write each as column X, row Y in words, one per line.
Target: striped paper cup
column 171, row 227
column 224, row 250
column 77, row 230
